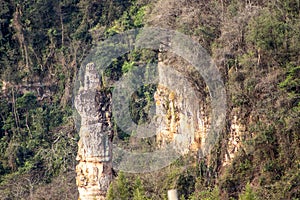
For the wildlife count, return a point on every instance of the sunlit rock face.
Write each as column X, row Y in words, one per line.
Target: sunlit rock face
column 181, row 108
column 235, row 138
column 94, row 171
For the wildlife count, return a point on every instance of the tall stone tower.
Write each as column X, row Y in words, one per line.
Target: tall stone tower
column 93, row 103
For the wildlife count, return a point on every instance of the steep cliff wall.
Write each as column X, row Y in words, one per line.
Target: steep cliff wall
column 182, row 103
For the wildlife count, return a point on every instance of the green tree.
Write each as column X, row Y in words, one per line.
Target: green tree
column 248, row 194
column 207, row 195
column 119, row 189
column 139, row 192
column 111, row 192
column 292, row 82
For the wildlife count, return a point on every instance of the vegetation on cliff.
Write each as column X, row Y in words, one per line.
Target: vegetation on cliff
column 254, row 43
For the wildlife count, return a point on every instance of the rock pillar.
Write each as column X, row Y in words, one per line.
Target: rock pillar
column 93, row 103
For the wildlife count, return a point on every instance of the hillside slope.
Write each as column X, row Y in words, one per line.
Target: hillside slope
column 255, row 45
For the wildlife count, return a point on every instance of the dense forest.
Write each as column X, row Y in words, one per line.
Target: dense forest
column 254, row 43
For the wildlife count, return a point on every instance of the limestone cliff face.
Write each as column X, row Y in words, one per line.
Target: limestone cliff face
column 182, row 107
column 183, row 102
column 94, row 171
column 185, row 111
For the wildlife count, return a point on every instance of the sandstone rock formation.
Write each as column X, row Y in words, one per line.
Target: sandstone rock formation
column 93, row 103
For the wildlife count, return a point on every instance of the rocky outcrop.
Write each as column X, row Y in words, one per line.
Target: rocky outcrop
column 182, row 108
column 238, row 137
column 234, row 142
column 93, row 103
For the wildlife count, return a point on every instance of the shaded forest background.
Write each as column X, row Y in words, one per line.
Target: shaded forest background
column 255, row 44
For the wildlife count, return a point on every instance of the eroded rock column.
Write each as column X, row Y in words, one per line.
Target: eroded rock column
column 93, row 103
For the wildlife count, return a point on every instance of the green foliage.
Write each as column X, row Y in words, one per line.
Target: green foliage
column 267, row 32
column 234, row 7
column 292, row 82
column 28, row 142
column 111, row 192
column 138, row 190
column 138, row 15
column 259, row 43
column 213, row 194
column 132, row 18
column 248, row 194
column 186, row 184
column 141, row 102
column 122, row 187
column 119, row 189
column 27, row 101
column 127, row 66
column 275, row 32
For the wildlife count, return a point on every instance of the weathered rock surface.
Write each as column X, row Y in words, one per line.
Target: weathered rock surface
column 93, row 103
column 234, row 143
column 182, row 107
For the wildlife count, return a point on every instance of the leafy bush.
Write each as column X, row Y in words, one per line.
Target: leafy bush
column 248, row 194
